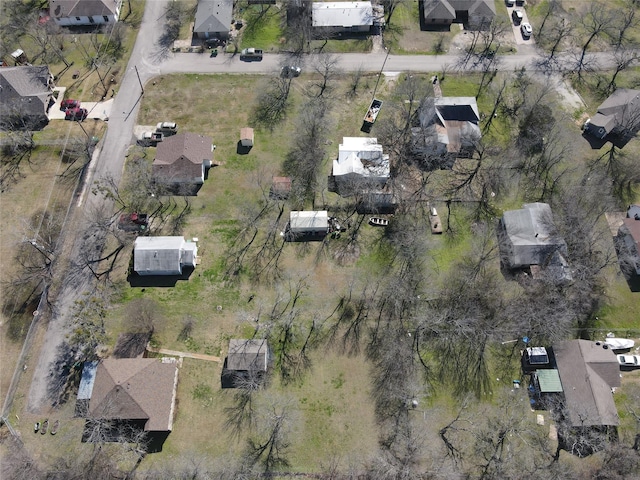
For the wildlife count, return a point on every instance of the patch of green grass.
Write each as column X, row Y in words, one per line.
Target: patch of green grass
column 262, row 28
column 345, row 45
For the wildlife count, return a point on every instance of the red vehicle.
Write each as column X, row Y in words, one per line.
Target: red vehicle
column 76, row 114
column 69, row 104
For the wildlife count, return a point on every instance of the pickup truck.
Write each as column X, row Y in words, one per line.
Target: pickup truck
column 251, row 54
column 167, row 128
column 150, row 138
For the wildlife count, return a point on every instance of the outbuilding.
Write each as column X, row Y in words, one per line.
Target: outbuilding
column 305, row 224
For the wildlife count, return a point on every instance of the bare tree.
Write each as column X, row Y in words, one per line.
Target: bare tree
column 273, row 103
column 596, row 21
column 326, row 66
column 268, row 446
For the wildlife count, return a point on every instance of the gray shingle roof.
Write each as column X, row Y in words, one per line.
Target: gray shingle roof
column 25, row 89
column 83, row 8
column 531, row 237
column 588, row 371
column 213, row 16
column 248, row 355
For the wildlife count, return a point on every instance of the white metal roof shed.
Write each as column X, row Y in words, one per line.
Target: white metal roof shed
column 342, row 14
column 309, row 221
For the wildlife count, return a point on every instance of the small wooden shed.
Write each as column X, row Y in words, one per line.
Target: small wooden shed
column 246, row 137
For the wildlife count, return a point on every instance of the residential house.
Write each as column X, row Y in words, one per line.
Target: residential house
column 26, row 94
column 307, row 225
column 213, row 19
column 183, row 159
column 343, row 17
column 628, row 241
column 163, row 255
column 361, row 166
column 84, row 12
column 473, row 14
column 528, row 240
column 142, row 390
column 247, row 361
column 449, row 128
column 618, row 114
column 576, row 382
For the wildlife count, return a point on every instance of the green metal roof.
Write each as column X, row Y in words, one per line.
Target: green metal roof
column 549, row 381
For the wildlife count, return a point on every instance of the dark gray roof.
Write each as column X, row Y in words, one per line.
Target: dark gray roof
column 621, row 108
column 83, row 8
column 446, row 9
column 530, row 236
column 213, row 16
column 248, row 355
column 25, row 89
column 588, row 371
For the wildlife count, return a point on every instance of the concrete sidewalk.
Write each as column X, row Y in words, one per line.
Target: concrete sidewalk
column 175, row 353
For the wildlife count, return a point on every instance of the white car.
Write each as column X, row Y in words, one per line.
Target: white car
column 526, row 30
column 167, row 127
column 510, row 3
column 629, row 360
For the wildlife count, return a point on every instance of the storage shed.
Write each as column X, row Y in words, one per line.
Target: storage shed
column 163, row 255
column 246, row 137
column 309, row 222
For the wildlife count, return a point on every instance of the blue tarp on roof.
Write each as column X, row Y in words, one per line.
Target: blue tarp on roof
column 87, row 379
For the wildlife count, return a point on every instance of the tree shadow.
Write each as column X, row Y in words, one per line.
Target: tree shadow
column 131, row 345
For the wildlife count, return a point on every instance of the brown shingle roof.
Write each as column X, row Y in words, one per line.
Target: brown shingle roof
column 136, row 389
column 181, row 157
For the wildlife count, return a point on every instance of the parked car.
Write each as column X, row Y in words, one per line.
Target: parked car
column 167, row 128
column 77, row 113
column 289, row 71
column 526, row 30
column 629, row 360
column 517, row 17
column 69, row 104
column 510, row 3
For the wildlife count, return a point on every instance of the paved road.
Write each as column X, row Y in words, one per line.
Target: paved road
column 147, row 61
column 108, row 161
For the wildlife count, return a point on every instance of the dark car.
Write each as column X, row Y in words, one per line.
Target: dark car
column 69, row 104
column 76, row 114
column 517, row 16
column 290, row 71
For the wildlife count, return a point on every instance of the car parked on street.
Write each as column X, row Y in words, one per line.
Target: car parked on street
column 77, row 113
column 517, row 17
column 526, row 30
column 69, row 104
column 632, row 361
